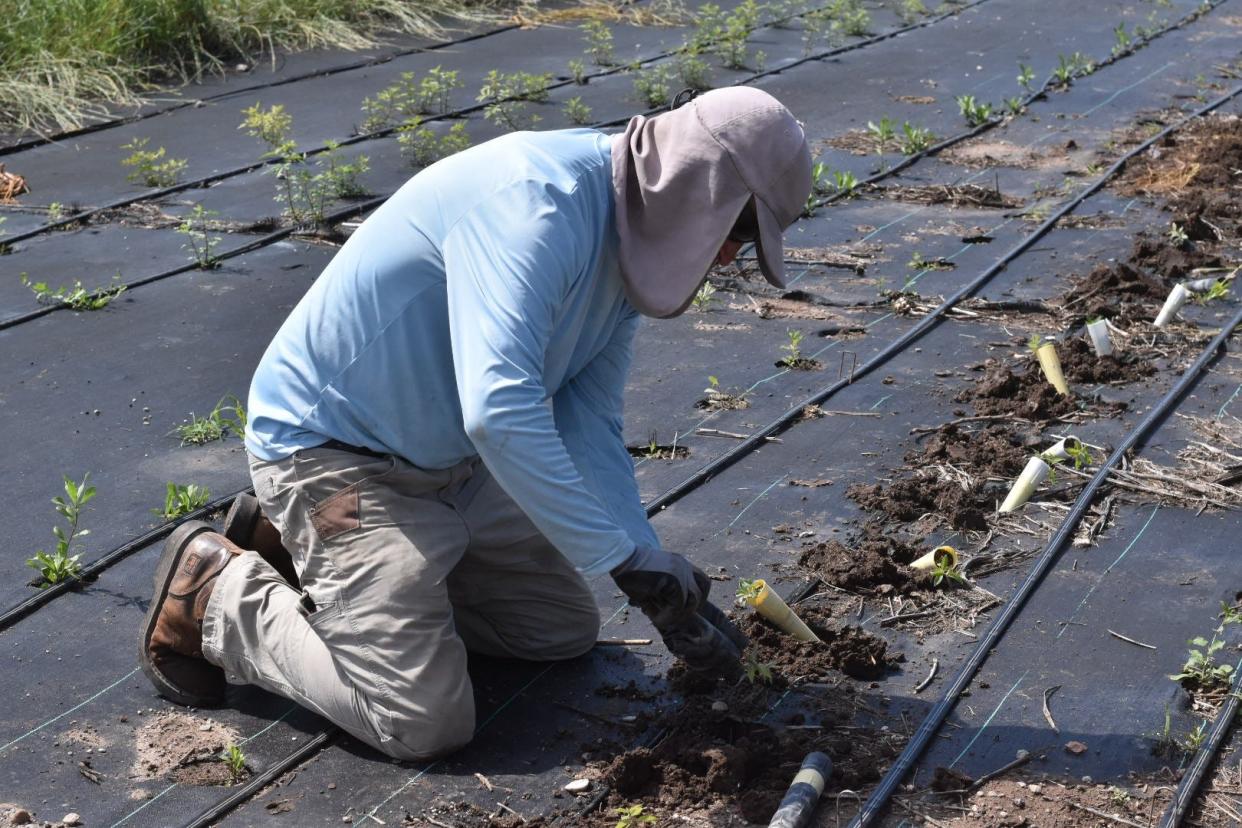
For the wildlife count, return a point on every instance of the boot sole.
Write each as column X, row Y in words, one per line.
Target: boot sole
column 169, row 559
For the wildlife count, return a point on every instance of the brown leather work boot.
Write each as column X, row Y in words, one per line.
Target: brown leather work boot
column 171, row 647
column 247, row 526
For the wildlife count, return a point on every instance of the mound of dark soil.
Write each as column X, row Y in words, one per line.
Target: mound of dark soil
column 1117, row 292
column 908, row 499
column 1083, row 367
column 1156, row 255
column 994, row 451
column 849, row 650
column 872, row 562
column 1024, row 393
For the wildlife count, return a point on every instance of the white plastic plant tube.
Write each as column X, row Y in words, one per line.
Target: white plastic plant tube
column 1100, row 340
column 1051, row 363
column 1060, row 450
column 1036, row 472
column 773, row 607
column 941, row 554
column 1177, row 297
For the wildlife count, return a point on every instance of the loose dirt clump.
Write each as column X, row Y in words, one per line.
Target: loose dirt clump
column 959, row 195
column 841, row 648
column 992, row 451
column 1170, row 261
column 912, row 498
column 183, row 748
column 1082, row 366
column 1117, row 292
column 1024, row 393
column 872, row 562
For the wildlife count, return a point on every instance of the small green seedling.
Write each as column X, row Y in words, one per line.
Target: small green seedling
column 341, row 177
column 59, row 565
column 407, row 97
column 1201, row 670
column 748, row 590
column 1015, row 105
column 1025, row 75
column 975, row 112
column 235, row 761
column 77, row 297
column 915, row 139
column 851, row 18
column 421, row 147
column 181, row 500
column 632, row 816
column 1117, row 797
column 505, row 97
column 692, row 70
column 882, row 133
column 756, row 670
column 911, row 10
column 1080, row 455
column 228, row 417
column 845, row 181
column 1195, row 738
column 577, row 112
column 271, row 126
column 821, row 178
column 1035, row 343
column 917, row 262
column 946, row 572
column 599, row 43
column 151, row 168
column 703, row 297
column 731, row 46
column 654, row 86
column 1123, row 39
column 1177, row 235
column 709, row 27
column 577, row 71
column 199, row 241
column 55, row 211
column 793, row 349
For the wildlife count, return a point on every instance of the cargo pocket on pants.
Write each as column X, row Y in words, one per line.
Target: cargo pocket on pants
column 337, row 514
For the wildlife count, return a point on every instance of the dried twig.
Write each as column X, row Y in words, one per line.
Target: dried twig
column 622, row 642
column 1048, row 711
column 922, row 685
column 1131, row 640
column 1104, row 815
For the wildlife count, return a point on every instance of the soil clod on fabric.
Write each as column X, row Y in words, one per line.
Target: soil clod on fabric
column 871, row 562
column 183, row 748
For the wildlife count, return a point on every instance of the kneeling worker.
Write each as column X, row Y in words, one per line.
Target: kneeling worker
column 435, row 431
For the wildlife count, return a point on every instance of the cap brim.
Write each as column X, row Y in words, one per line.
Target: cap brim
column 770, row 245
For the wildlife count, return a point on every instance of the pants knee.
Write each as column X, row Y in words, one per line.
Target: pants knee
column 576, row 637
column 427, row 736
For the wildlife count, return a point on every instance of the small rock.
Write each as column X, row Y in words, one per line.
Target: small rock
column 1075, row 747
column 578, row 786
column 1034, row 788
column 719, row 706
column 1087, row 780
column 20, row 817
column 1019, row 802
column 71, row 818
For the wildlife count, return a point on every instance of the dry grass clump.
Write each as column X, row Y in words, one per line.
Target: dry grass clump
column 63, row 61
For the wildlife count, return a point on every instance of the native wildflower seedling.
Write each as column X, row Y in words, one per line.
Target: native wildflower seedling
column 1195, row 738
column 341, row 177
column 975, row 112
column 1025, row 75
column 1122, row 37
column 59, row 565
column 577, row 71
column 915, row 139
column 577, row 112
column 881, row 133
column 633, row 816
column 793, row 349
column 1177, row 235
column 506, row 97
column 421, row 147
column 718, row 399
column 1201, row 670
column 151, row 168
column 748, row 590
column 430, row 95
column 228, row 417
column 1014, row 105
column 703, row 297
column 235, row 761
column 731, row 44
column 77, row 297
column 946, row 572
column 199, row 240
column 182, row 500
column 1079, row 454
column 653, row 86
column 271, row 126
column 599, row 43
column 911, row 10
column 756, row 670
column 845, row 181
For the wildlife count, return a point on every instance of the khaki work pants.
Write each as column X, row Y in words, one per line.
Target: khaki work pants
column 403, row 569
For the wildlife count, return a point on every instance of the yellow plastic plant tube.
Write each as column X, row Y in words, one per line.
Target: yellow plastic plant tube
column 1051, row 363
column 772, row 607
column 941, row 553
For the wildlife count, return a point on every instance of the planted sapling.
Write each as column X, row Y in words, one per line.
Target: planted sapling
column 1014, row 105
column 756, row 670
column 235, row 761
column 151, row 168
column 228, row 417
column 692, row 70
column 975, row 112
column 577, row 112
column 1177, row 235
column 77, row 297
column 703, row 296
column 271, row 126
column 793, row 349
column 709, row 26
column 946, row 572
column 653, row 86
column 341, row 177
column 748, row 590
column 719, row 399
column 199, row 241
column 1025, row 75
column 181, row 500
column 407, row 97
column 421, row 147
column 506, row 95
column 882, row 133
column 599, row 43
column 911, row 10
column 915, row 139
column 59, row 565
column 738, row 25
column 577, row 71
column 1201, row 672
column 851, row 17
column 633, row 816
column 1122, row 37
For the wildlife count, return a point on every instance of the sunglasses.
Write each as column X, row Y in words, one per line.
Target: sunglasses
column 746, row 228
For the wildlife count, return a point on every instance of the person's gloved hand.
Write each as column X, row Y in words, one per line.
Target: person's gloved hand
column 672, row 592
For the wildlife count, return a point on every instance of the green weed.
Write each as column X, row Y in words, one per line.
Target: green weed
column 227, row 417
column 182, row 500
column 59, row 565
column 77, row 297
column 199, row 241
column 151, row 168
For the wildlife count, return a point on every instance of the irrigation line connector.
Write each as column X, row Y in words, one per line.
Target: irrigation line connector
column 928, row 727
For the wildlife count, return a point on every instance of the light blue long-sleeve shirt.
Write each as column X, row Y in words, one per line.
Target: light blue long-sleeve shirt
column 486, row 288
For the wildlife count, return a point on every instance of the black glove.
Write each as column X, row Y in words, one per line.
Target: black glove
column 673, row 594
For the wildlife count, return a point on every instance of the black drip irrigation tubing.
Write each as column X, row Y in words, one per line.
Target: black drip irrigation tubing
column 92, row 570
column 362, row 206
column 760, row 437
column 935, row 718
column 205, row 181
column 1193, row 777
column 43, row 140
